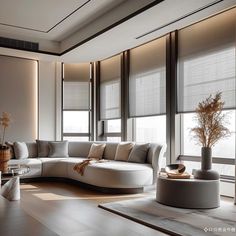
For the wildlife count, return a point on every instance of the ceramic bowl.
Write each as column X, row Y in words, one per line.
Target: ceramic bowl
column 175, row 169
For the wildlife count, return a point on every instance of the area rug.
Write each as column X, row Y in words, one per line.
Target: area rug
column 178, row 221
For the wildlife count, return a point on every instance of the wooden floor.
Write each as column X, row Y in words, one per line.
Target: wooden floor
column 69, row 210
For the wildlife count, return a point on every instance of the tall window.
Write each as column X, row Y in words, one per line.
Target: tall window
column 76, row 102
column 147, row 91
column 110, row 98
column 207, row 65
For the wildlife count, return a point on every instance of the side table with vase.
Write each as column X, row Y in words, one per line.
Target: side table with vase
column 188, row 193
column 11, row 188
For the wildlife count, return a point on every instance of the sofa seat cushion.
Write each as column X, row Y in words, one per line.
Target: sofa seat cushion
column 35, row 165
column 114, row 174
column 54, row 167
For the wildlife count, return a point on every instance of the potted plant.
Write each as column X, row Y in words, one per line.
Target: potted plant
column 4, row 150
column 209, row 130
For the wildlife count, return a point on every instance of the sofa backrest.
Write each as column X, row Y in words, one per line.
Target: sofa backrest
column 81, row 149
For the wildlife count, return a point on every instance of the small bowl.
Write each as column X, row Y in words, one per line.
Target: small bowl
column 176, row 169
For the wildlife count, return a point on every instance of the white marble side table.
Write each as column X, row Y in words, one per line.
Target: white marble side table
column 11, row 189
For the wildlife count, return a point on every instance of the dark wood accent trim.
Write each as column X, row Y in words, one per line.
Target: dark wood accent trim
column 62, row 98
column 124, row 95
column 92, row 101
column 97, row 96
column 171, row 97
column 37, row 100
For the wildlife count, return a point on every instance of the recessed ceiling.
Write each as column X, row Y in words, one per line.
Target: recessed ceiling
column 38, row 15
column 52, row 20
column 87, row 36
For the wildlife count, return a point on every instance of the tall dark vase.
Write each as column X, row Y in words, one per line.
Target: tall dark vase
column 206, row 161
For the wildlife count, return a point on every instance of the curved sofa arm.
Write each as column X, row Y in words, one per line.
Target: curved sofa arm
column 157, row 154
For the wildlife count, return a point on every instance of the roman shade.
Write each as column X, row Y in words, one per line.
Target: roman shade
column 207, row 61
column 110, row 88
column 76, row 86
column 147, row 81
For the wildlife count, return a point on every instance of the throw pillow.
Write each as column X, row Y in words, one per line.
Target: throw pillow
column 43, row 148
column 97, row 150
column 11, row 146
column 58, row 149
column 123, row 151
column 139, row 153
column 20, row 150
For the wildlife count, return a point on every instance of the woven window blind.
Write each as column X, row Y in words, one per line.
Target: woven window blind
column 147, row 82
column 110, row 83
column 207, row 61
column 76, row 86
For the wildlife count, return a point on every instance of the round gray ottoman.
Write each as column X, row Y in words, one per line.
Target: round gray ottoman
column 188, row 193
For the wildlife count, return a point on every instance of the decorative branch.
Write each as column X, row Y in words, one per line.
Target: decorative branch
column 5, row 121
column 210, row 121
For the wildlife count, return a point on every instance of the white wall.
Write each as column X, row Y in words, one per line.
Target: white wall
column 35, row 105
column 49, row 121
column 18, row 96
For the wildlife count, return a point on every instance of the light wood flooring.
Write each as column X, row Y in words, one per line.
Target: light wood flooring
column 70, row 210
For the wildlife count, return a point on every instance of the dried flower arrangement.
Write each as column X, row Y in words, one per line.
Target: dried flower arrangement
column 210, row 121
column 5, row 121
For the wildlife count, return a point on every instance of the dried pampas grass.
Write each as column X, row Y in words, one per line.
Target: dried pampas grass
column 210, row 122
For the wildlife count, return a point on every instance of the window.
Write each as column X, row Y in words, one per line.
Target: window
column 225, row 148
column 76, row 102
column 150, row 129
column 112, row 130
column 110, row 98
column 207, row 65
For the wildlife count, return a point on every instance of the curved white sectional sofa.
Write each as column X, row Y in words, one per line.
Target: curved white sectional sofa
column 109, row 174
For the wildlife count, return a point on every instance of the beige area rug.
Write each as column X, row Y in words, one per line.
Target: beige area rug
column 178, row 221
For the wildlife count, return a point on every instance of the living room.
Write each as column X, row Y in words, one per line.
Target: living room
column 118, row 117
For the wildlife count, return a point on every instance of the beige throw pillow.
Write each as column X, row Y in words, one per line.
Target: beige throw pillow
column 123, row 150
column 96, row 150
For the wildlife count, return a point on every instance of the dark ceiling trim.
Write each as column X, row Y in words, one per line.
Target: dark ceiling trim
column 180, row 18
column 42, row 31
column 152, row 4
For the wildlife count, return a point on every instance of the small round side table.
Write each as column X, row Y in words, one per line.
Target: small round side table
column 11, row 189
column 188, row 193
